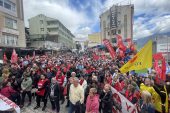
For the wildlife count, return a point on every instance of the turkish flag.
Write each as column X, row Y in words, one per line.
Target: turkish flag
column 14, row 57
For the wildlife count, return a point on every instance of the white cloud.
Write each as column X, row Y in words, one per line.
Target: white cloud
column 70, row 17
column 154, row 18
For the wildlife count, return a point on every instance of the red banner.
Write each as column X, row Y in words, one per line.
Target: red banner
column 161, row 70
column 120, row 43
column 110, row 48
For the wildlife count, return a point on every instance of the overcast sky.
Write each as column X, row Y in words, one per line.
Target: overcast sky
column 81, row 17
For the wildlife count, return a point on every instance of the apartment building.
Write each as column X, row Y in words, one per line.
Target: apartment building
column 117, row 20
column 12, row 30
column 94, row 39
column 50, row 33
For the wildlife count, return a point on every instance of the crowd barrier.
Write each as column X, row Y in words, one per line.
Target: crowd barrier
column 8, row 105
column 125, row 105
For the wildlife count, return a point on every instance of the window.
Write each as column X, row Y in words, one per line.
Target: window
column 14, row 24
column 9, row 39
column 114, row 32
column 1, row 2
column 13, row 7
column 125, row 26
column 10, row 23
column 41, row 22
column 108, row 17
column 118, row 22
column 42, row 29
column 8, row 5
column 119, row 31
column 113, row 40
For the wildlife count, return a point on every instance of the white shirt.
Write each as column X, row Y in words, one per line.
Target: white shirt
column 76, row 94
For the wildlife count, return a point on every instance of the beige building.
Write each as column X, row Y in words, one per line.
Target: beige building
column 12, row 30
column 50, row 33
column 117, row 20
column 94, row 39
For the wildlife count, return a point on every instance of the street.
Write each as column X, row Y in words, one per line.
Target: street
column 30, row 109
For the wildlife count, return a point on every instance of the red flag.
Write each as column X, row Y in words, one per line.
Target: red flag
column 163, row 74
column 121, row 53
column 161, row 71
column 110, row 48
column 5, row 58
column 157, row 56
column 120, row 43
column 14, row 57
column 157, row 69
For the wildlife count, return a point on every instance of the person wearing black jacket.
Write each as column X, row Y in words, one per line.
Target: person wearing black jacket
column 70, row 81
column 54, row 94
column 106, row 99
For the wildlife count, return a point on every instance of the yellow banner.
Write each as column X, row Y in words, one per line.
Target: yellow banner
column 142, row 60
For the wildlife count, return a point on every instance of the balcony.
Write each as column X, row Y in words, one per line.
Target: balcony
column 52, row 24
column 53, row 33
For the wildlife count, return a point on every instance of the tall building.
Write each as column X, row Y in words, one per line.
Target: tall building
column 12, row 30
column 117, row 20
column 161, row 44
column 94, row 39
column 49, row 33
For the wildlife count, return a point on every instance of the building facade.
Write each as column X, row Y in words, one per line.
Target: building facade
column 161, row 44
column 12, row 29
column 117, row 20
column 45, row 32
column 94, row 39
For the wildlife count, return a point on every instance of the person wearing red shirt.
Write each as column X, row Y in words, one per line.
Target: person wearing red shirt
column 60, row 79
column 10, row 93
column 42, row 91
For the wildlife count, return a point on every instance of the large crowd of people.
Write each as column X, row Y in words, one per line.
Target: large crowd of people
column 83, row 82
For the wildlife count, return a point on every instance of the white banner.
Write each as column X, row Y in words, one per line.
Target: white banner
column 8, row 105
column 126, row 105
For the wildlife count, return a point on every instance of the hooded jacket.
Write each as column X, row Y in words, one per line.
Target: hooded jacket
column 92, row 104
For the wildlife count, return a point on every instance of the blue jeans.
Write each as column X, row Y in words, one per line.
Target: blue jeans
column 72, row 108
column 76, row 108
